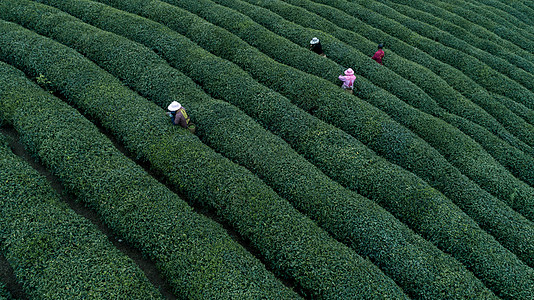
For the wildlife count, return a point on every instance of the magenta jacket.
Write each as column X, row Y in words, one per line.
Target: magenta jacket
column 378, row 56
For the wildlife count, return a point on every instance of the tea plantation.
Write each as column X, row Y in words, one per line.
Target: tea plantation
column 418, row 185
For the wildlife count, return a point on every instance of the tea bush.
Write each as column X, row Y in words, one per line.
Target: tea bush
column 521, row 168
column 229, row 82
column 187, row 248
column 463, row 29
column 56, row 253
column 346, row 215
column 4, row 293
column 510, row 114
column 293, row 245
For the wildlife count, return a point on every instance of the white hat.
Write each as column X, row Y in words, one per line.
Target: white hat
column 174, row 106
column 314, row 41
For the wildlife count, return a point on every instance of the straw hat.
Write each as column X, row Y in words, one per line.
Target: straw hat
column 174, row 106
column 349, row 72
column 314, row 41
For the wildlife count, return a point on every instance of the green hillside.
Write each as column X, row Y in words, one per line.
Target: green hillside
column 418, row 185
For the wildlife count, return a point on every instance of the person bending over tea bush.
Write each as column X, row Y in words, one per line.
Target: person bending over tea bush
column 179, row 116
column 315, row 46
column 379, row 54
column 348, row 80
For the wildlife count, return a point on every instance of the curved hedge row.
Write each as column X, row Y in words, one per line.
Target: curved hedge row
column 517, row 12
column 440, row 92
column 511, row 114
column 188, row 249
column 469, row 32
column 503, row 26
column 502, row 151
column 388, row 20
column 53, row 251
column 466, row 41
column 338, row 19
column 229, row 82
column 502, row 72
column 355, row 220
column 290, row 243
column 463, row 151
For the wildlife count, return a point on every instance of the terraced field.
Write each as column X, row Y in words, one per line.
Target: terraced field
column 420, row 185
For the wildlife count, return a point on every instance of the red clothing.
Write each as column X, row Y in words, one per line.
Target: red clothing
column 378, row 56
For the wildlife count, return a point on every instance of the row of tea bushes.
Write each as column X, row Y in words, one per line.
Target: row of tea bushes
column 504, row 152
column 499, row 65
column 510, row 114
column 430, row 83
column 355, row 220
column 55, row 253
column 471, row 33
column 518, row 12
column 197, row 257
column 511, row 158
column 229, row 82
column 290, row 243
column 376, row 15
column 463, row 151
column 522, row 14
column 380, row 29
column 501, row 24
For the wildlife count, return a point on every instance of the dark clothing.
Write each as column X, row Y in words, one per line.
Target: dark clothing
column 378, row 56
column 317, row 48
column 180, row 117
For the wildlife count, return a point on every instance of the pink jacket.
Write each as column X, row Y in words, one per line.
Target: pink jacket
column 348, row 81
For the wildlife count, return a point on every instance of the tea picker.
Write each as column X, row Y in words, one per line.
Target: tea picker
column 179, row 116
column 348, row 80
column 315, row 46
column 379, row 54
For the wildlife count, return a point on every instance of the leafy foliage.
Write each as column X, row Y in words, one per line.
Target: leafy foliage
column 344, row 214
column 195, row 254
column 282, row 235
column 56, row 253
column 265, row 104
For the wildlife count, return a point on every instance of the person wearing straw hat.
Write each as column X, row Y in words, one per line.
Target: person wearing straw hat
column 315, row 46
column 179, row 116
column 379, row 54
column 348, row 80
